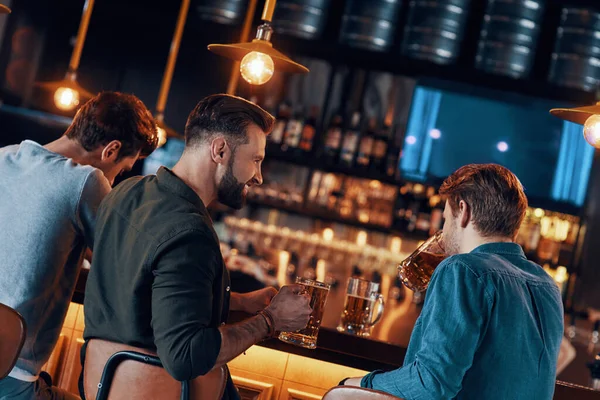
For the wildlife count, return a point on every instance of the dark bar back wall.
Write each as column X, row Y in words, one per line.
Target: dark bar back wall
column 126, row 49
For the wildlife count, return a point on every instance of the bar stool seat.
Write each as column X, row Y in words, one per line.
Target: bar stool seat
column 12, row 337
column 117, row 371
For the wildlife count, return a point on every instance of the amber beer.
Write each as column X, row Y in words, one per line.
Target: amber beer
column 357, row 312
column 362, row 298
column 307, row 337
column 415, row 272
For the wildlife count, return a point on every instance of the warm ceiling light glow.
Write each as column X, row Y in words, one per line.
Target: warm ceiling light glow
column 257, row 68
column 66, row 99
column 162, row 136
column 591, row 131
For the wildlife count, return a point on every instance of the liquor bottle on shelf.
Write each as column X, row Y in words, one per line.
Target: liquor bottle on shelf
column 350, row 141
column 380, row 147
column 333, row 140
column 414, row 207
column 309, row 129
column 400, row 223
column 293, row 132
column 281, row 122
column 423, row 224
column 392, row 168
column 365, row 147
column 437, row 213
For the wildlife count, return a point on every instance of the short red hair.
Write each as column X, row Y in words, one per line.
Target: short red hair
column 494, row 194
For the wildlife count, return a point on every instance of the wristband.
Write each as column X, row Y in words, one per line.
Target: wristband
column 270, row 322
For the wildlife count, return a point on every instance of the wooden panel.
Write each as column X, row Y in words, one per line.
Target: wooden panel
column 58, row 356
column 295, row 391
column 70, row 374
column 251, row 389
column 318, row 373
column 80, row 321
column 71, row 315
column 263, row 361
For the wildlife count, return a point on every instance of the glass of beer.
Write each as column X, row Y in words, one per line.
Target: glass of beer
column 359, row 315
column 415, row 271
column 307, row 337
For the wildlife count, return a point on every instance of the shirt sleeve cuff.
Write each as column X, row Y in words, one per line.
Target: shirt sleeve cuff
column 367, row 380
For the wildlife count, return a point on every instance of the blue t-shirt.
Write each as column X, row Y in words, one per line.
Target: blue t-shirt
column 48, row 207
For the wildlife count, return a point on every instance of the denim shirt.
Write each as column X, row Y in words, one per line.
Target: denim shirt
column 490, row 328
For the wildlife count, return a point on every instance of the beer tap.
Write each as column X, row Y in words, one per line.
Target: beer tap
column 571, row 330
column 595, row 334
column 595, row 372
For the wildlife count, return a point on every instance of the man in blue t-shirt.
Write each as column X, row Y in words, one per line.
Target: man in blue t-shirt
column 50, row 195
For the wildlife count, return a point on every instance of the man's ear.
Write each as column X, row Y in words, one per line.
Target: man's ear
column 219, row 150
column 464, row 213
column 110, row 152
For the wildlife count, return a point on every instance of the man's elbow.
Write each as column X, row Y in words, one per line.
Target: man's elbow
column 182, row 370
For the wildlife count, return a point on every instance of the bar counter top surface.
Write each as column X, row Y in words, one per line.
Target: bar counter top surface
column 384, row 349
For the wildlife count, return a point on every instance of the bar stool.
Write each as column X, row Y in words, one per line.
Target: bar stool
column 12, row 338
column 127, row 372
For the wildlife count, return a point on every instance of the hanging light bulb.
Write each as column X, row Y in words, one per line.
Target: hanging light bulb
column 591, row 130
column 588, row 116
column 66, row 98
column 68, row 93
column 257, row 68
column 162, row 136
column 258, row 59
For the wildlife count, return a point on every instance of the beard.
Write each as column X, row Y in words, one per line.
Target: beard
column 230, row 191
column 450, row 238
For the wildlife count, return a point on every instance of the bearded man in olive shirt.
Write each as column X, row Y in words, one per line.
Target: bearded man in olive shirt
column 158, row 280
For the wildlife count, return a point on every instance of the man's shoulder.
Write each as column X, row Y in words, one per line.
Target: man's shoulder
column 159, row 213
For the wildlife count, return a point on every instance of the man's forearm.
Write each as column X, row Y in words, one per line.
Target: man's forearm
column 237, row 338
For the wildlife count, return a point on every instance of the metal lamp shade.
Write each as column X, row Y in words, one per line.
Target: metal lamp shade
column 577, row 115
column 237, row 51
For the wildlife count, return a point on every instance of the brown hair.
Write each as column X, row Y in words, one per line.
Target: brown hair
column 112, row 116
column 225, row 114
column 494, row 194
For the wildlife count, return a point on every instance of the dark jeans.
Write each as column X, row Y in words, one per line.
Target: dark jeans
column 42, row 389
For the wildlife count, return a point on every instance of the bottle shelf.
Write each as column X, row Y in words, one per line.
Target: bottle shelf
column 329, row 216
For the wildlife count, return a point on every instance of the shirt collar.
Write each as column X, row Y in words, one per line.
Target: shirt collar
column 500, row 248
column 172, row 182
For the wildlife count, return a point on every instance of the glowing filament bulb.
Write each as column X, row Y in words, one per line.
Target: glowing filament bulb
column 66, row 99
column 257, row 68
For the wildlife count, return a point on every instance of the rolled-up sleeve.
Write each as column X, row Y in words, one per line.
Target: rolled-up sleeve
column 453, row 321
column 182, row 302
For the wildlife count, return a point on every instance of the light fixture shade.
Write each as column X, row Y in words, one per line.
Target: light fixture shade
column 84, row 95
column 237, row 51
column 577, row 115
column 4, row 9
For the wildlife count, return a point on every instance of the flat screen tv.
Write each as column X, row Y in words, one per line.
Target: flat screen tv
column 450, row 126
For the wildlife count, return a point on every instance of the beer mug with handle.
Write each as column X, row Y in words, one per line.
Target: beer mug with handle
column 363, row 309
column 307, row 337
column 416, row 270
